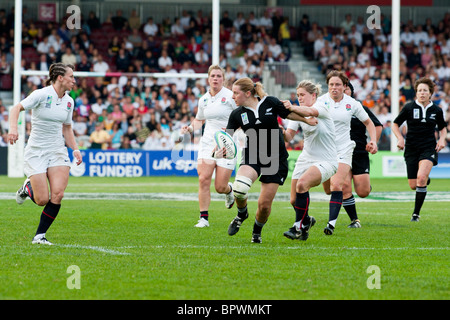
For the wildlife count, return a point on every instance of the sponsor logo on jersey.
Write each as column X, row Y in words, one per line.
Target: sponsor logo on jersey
column 244, row 118
column 48, row 103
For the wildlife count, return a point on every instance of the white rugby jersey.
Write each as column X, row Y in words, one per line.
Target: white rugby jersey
column 319, row 140
column 48, row 115
column 216, row 111
column 342, row 113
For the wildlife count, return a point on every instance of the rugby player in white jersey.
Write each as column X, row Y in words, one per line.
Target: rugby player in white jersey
column 214, row 108
column 342, row 108
column 318, row 161
column 46, row 159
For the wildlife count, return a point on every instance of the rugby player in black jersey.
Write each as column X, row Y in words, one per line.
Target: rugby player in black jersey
column 423, row 118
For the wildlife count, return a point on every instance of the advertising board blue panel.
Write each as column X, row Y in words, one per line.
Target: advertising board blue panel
column 135, row 163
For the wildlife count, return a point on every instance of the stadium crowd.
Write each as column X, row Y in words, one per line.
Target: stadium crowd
column 146, row 113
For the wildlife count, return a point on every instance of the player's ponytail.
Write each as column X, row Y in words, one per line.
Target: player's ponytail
column 256, row 89
column 57, row 69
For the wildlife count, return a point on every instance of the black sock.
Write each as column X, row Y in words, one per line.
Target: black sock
column 30, row 191
column 48, row 215
column 257, row 227
column 350, row 207
column 421, row 193
column 335, row 206
column 301, row 208
column 242, row 213
column 204, row 214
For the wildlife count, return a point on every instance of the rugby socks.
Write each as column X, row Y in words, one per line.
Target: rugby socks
column 349, row 205
column 257, row 227
column 204, row 214
column 47, row 217
column 29, row 191
column 421, row 193
column 335, row 207
column 243, row 213
column 301, row 209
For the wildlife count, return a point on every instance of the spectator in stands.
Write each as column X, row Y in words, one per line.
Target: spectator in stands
column 134, row 21
column 225, row 20
column 100, row 138
column 69, row 57
column 201, row 57
column 348, row 23
column 275, row 48
column 100, row 65
column 164, row 60
column 177, row 29
column 122, row 60
column 414, row 58
column 285, row 36
column 119, row 22
column 406, row 37
column 266, row 21
column 354, row 34
column 79, row 126
column 93, row 21
column 114, row 46
column 43, row 46
column 150, row 28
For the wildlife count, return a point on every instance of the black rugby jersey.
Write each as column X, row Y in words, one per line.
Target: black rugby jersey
column 358, row 131
column 261, row 129
column 422, row 123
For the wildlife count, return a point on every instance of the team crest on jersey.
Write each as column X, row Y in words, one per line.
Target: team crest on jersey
column 69, row 105
column 348, row 107
column 224, row 100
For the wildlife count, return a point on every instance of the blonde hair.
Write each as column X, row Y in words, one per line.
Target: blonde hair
column 216, row 67
column 310, row 87
column 57, row 69
column 246, row 84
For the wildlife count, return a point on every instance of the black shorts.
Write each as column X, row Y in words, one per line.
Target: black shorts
column 278, row 177
column 414, row 155
column 360, row 163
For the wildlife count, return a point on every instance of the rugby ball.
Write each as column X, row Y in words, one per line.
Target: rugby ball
column 223, row 139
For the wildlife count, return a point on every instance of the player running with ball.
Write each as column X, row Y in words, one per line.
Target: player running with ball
column 264, row 154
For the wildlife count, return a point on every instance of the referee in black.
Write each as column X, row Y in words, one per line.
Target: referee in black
column 423, row 118
column 360, row 163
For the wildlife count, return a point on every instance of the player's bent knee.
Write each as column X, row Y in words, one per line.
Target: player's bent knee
column 241, row 186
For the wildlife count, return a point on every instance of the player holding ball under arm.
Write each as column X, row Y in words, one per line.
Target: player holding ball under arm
column 264, row 154
column 214, row 108
column 46, row 159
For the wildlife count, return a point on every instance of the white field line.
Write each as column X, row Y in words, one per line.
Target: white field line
column 300, row 247
column 315, row 196
column 95, row 248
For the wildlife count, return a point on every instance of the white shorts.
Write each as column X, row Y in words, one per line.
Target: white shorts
column 345, row 154
column 205, row 154
column 37, row 160
column 327, row 169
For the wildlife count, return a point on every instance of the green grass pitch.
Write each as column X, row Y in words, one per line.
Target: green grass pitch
column 135, row 246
